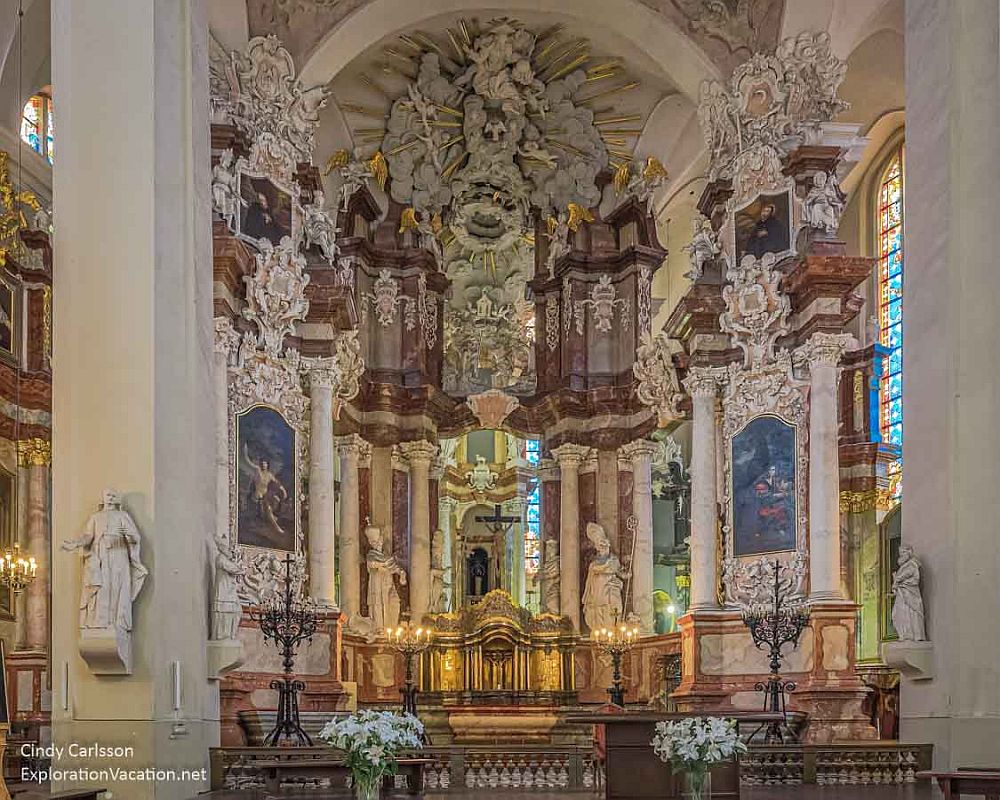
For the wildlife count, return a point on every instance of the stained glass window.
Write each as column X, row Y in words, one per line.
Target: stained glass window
column 889, row 225
column 36, row 125
column 533, row 529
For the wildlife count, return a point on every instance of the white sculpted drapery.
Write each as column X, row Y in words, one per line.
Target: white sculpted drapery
column 226, row 608
column 908, row 605
column 113, row 574
column 383, row 599
column 550, row 577
column 602, row 595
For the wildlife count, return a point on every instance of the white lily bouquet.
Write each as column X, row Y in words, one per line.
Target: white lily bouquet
column 371, row 741
column 693, row 744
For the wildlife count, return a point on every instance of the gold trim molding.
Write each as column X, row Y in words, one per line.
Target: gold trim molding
column 34, row 452
column 858, row 502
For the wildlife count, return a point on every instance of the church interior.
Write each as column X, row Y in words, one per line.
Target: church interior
column 549, row 371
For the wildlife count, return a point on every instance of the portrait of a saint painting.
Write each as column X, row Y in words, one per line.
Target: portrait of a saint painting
column 763, row 475
column 265, row 484
column 265, row 210
column 763, row 227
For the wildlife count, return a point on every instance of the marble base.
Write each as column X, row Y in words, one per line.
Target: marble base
column 107, row 651
column 914, row 660
column 224, row 655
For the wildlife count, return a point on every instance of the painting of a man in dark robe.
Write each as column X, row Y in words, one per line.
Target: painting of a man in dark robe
column 762, row 227
column 265, row 210
column 763, row 474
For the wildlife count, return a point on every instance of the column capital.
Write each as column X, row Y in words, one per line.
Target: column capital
column 825, row 349
column 323, row 372
column 34, row 452
column 702, row 382
column 419, row 453
column 548, row 470
column 351, row 446
column 515, row 505
column 571, row 455
column 448, row 503
column 636, row 450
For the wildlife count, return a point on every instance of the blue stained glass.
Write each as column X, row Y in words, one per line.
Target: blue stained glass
column 894, row 286
column 533, row 514
column 893, row 337
column 896, row 434
column 894, row 387
column 896, row 362
column 895, row 412
column 894, row 312
column 895, row 263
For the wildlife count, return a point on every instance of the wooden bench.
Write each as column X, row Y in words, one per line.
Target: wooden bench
column 277, row 770
column 982, row 781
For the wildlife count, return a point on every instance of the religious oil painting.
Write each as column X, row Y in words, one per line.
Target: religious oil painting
column 8, row 321
column 763, row 476
column 764, row 226
column 265, row 210
column 265, row 484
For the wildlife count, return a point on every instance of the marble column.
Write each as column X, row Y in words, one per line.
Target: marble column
column 322, row 528
column 420, row 454
column 134, row 352
column 701, row 383
column 349, row 449
column 951, row 374
column 823, row 352
column 446, row 510
column 35, row 457
column 569, row 456
column 226, row 340
column 515, row 508
column 640, row 453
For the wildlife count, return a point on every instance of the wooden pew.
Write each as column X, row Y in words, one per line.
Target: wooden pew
column 967, row 781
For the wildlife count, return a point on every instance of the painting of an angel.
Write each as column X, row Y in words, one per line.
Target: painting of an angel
column 265, row 479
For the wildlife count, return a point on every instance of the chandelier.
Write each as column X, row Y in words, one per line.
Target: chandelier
column 616, row 641
column 16, row 571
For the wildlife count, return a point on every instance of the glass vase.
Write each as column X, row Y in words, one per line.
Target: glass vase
column 699, row 784
column 369, row 788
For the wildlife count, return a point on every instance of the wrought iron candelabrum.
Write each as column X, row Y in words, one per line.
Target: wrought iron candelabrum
column 410, row 641
column 287, row 621
column 616, row 641
column 774, row 627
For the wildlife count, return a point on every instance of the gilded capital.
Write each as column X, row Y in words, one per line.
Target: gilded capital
column 701, row 382
column 34, row 452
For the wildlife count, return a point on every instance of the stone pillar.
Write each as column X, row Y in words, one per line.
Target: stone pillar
column 951, row 378
column 446, row 510
column 515, row 508
column 35, row 457
column 569, row 456
column 420, row 454
column 701, row 384
column 823, row 352
column 640, row 453
column 226, row 339
column 322, row 529
column 134, row 398
column 349, row 448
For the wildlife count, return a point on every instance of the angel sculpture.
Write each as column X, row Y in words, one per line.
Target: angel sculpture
column 558, row 237
column 319, row 229
column 225, row 197
column 704, row 246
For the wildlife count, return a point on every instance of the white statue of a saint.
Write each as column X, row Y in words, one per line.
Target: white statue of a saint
column 824, row 204
column 907, row 604
column 224, row 195
column 113, row 573
column 226, row 607
column 438, row 598
column 550, row 577
column 602, row 595
column 383, row 599
column 319, row 228
column 704, row 246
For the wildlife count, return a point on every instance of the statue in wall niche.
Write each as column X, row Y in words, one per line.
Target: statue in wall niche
column 438, row 597
column 383, row 599
column 550, row 577
column 704, row 247
column 602, row 595
column 225, row 197
column 226, row 607
column 907, row 604
column 824, row 204
column 113, row 574
column 319, row 229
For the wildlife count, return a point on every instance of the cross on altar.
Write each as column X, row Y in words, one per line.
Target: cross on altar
column 498, row 525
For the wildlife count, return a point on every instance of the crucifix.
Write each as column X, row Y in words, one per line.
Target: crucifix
column 498, row 525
